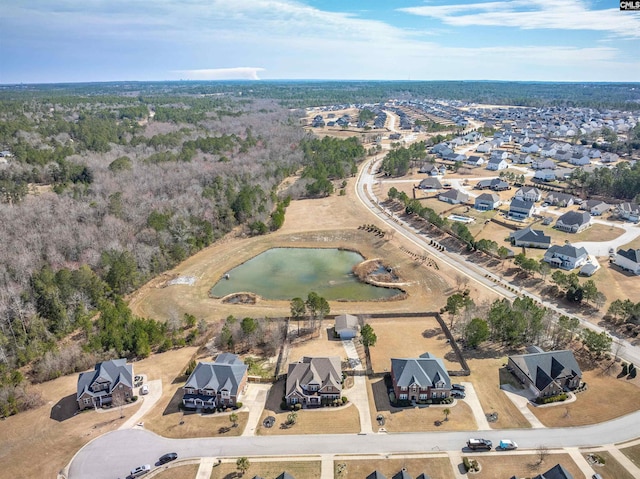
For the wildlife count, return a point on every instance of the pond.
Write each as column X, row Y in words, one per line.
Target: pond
column 286, row 273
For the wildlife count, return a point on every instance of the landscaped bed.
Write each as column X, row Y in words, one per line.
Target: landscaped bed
column 610, row 468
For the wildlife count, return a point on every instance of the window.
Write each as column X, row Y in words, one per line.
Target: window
column 293, row 400
column 434, row 395
column 120, row 386
column 87, row 401
column 422, row 397
column 403, row 396
column 126, row 394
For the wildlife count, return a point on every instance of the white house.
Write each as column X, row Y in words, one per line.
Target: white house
column 530, row 148
column 485, row 147
column 454, row 197
column 528, row 193
column 628, row 260
column 497, row 164
column 566, row 256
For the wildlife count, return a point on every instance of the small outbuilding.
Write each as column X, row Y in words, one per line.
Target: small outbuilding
column 346, row 326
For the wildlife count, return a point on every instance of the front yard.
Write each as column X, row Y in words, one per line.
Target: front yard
column 269, row 469
column 436, row 467
column 501, row 466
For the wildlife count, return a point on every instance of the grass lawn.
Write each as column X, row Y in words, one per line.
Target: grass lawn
column 589, row 407
column 596, row 232
column 188, row 471
column 408, row 338
column 320, row 346
column 486, row 378
column 436, row 467
column 612, row 469
column 502, row 466
column 269, row 470
column 633, row 453
column 416, row 419
column 342, row 420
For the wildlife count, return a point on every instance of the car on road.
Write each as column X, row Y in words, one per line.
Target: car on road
column 507, row 445
column 168, row 457
column 140, row 470
column 479, row 444
column 458, row 387
column 144, row 389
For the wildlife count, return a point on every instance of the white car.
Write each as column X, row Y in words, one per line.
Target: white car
column 507, row 445
column 140, row 470
column 144, row 389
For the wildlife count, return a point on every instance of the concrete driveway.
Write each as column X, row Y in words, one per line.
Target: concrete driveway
column 148, row 401
column 358, row 393
column 254, row 401
column 471, row 398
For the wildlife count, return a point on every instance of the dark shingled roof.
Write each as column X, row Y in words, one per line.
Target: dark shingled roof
column 544, row 368
column 575, row 218
column 376, row 475
column 115, row 371
column 556, row 472
column 225, row 373
column 630, row 254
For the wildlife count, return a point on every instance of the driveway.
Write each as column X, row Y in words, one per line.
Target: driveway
column 358, row 393
column 148, row 401
column 254, row 402
column 520, row 400
column 471, row 398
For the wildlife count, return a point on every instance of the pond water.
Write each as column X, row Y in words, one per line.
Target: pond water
column 286, row 273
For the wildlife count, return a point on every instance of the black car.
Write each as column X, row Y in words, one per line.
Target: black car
column 455, row 393
column 458, row 387
column 171, row 456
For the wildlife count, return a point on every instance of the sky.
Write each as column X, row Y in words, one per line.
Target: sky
column 51, row 41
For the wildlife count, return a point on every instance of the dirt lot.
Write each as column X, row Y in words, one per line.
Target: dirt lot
column 408, row 338
column 416, row 419
column 611, row 469
column 269, row 470
column 57, row 441
column 506, row 465
column 329, row 420
column 588, row 407
column 436, row 467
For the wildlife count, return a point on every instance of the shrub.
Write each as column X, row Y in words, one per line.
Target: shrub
column 297, row 406
column 344, row 399
column 625, row 369
column 552, row 399
column 466, row 463
column 284, row 405
column 134, row 398
column 633, row 373
column 238, row 405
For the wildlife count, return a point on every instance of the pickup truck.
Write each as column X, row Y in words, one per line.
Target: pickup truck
column 479, row 444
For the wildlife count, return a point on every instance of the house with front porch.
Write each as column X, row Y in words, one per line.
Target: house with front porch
column 528, row 193
column 629, row 211
column 215, row 384
column 109, row 381
column 574, row 221
column 628, row 260
column 566, row 257
column 520, row 210
column 314, row 381
column 419, row 379
column 487, row 201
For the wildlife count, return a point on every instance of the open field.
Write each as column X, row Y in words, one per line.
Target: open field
column 502, row 466
column 408, row 338
column 188, row 471
column 269, row 469
column 436, row 467
column 633, row 453
column 416, row 419
column 612, row 469
column 588, row 407
column 320, row 346
column 329, row 420
column 485, row 376
column 57, row 441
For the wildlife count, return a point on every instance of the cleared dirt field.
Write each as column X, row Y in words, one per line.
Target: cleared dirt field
column 611, row 469
column 416, row 419
column 329, row 420
column 588, row 407
column 57, row 441
column 408, row 338
column 188, row 471
column 269, row 469
column 502, row 466
column 485, row 376
column 436, row 467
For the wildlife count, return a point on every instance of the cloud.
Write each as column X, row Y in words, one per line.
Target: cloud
column 237, row 73
column 534, row 14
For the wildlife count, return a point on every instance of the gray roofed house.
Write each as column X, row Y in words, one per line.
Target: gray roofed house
column 487, row 201
column 433, row 169
column 474, row 160
column 495, row 184
column 559, row 199
column 530, row 238
column 430, row 184
column 108, row 381
column 528, row 193
column 546, row 373
column 566, row 256
column 520, row 210
column 285, row 475
column 556, row 472
column 346, row 326
column 376, row 475
column 595, row 207
column 402, row 474
column 497, row 163
column 454, row 197
column 419, row 379
column 629, row 211
column 628, row 260
column 314, row 381
column 215, row 384
column 574, row 221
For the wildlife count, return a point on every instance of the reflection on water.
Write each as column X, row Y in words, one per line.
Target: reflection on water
column 284, row 273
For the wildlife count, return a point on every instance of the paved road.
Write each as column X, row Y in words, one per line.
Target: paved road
column 130, row 448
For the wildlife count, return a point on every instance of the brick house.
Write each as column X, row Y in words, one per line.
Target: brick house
column 215, row 384
column 419, row 379
column 109, row 381
column 314, row 381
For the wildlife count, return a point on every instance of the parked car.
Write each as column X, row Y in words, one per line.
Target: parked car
column 479, row 444
column 140, row 470
column 458, row 387
column 507, row 445
column 144, row 389
column 596, row 476
column 455, row 393
column 170, row 456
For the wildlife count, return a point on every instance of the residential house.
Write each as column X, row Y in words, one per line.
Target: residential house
column 520, row 210
column 215, row 384
column 528, row 193
column 454, row 197
column 566, row 257
column 628, row 260
column 376, row 475
column 433, row 169
column 314, row 381
column 419, row 379
column 474, row 161
column 430, row 184
column 402, row 474
column 441, row 148
column 485, row 147
column 548, row 151
column 556, row 472
column 629, row 211
column 497, row 164
column 546, row 373
column 530, row 238
column 579, row 159
column 285, row 475
column 495, row 184
column 454, row 157
column 530, row 148
column 545, row 175
column 574, row 221
column 544, row 165
column 487, row 201
column 346, row 326
column 109, row 381
column 559, row 199
column 562, row 155
column 595, row 207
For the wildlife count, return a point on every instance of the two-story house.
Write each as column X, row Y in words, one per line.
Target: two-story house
column 520, row 210
column 314, row 381
column 215, row 384
column 109, row 381
column 528, row 193
column 628, row 260
column 487, row 201
column 574, row 221
column 419, row 379
column 566, row 256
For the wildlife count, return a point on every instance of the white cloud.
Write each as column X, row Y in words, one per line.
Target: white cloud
column 534, row 14
column 237, row 73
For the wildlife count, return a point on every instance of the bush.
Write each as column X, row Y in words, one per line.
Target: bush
column 625, row 369
column 466, row 463
column 633, row 373
column 284, row 406
column 238, row 405
column 344, row 400
column 552, row 399
column 297, row 406
column 134, row 398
